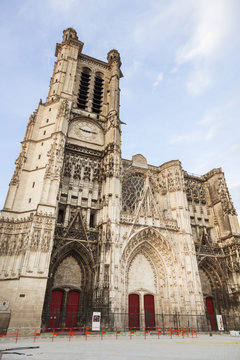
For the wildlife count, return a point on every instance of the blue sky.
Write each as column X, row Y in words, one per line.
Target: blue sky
column 180, row 95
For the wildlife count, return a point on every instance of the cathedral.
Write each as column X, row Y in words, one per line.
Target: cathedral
column 84, row 230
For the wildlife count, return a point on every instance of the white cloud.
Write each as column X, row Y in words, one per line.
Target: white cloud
column 189, row 137
column 158, row 79
column 61, row 5
column 132, row 69
column 212, row 27
column 208, row 127
column 234, row 185
column 198, row 81
column 174, row 70
column 213, row 24
column 201, row 134
column 126, row 92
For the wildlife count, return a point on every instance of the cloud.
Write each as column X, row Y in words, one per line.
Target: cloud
column 126, row 92
column 201, row 134
column 158, row 79
column 61, row 5
column 189, row 137
column 209, row 125
column 174, row 70
column 198, row 81
column 207, row 160
column 234, row 185
column 211, row 28
column 213, row 24
column 131, row 70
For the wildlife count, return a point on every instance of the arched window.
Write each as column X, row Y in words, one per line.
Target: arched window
column 132, row 192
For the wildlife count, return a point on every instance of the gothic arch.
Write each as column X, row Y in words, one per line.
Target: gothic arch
column 84, row 259
column 82, row 256
column 153, row 237
column 153, row 258
column 217, row 280
column 160, row 255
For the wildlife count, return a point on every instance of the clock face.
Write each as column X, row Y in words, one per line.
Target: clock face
column 86, row 130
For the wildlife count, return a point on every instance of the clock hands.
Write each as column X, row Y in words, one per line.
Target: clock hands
column 88, row 131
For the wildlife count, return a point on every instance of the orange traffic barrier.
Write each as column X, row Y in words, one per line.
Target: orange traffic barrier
column 60, row 333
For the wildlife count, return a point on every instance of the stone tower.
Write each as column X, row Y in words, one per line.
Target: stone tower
column 66, row 182
column 84, row 230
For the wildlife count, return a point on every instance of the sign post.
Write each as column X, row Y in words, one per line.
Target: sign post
column 220, row 322
column 96, row 319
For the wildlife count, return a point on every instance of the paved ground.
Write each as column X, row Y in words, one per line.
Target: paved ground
column 217, row 347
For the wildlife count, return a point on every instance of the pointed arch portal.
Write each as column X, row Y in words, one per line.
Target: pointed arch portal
column 68, row 296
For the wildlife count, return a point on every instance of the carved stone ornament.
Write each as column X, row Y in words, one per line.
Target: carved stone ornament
column 64, row 110
column 31, row 122
column 19, row 165
column 227, row 204
column 168, row 180
column 55, row 159
column 81, row 168
column 45, row 243
column 195, row 190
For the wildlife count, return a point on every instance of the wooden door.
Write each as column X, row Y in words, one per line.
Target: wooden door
column 133, row 312
column 55, row 309
column 149, row 312
column 72, row 309
column 210, row 310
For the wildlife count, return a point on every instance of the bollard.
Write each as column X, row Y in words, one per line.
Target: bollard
column 17, row 334
column 102, row 333
column 35, row 335
column 70, row 334
column 117, row 333
column 87, row 333
column 54, row 334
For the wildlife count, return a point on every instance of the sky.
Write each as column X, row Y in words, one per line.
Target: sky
column 180, row 94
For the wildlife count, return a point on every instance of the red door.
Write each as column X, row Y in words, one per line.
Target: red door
column 55, row 309
column 72, row 309
column 133, row 312
column 210, row 310
column 149, row 312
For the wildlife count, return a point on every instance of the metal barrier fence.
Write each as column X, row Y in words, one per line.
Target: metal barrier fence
column 135, row 322
column 203, row 323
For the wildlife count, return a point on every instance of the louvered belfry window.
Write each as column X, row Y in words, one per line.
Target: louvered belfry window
column 97, row 94
column 84, row 89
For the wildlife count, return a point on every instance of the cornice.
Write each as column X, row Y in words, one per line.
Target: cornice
column 90, row 60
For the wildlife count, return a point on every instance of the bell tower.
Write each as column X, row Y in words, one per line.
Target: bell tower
column 63, row 202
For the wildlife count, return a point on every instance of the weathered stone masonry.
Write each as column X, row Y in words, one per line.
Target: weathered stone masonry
column 83, row 229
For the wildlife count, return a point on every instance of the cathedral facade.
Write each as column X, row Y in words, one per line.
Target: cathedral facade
column 84, row 230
